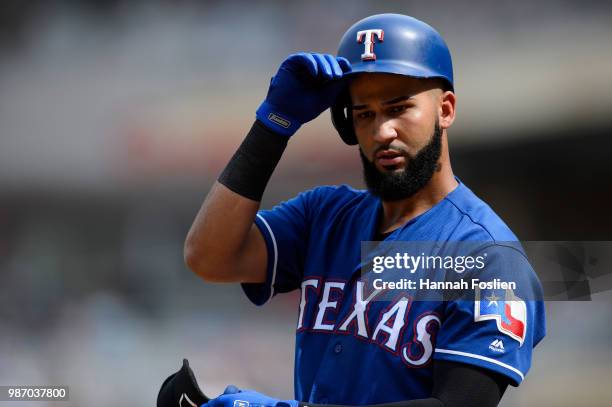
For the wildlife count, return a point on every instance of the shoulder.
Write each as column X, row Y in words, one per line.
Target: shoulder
column 329, row 204
column 491, row 235
column 477, row 219
column 332, row 196
column 312, row 203
column 343, row 191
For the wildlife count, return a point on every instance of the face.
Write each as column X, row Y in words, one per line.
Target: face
column 398, row 122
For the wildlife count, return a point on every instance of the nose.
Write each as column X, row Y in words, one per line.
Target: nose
column 385, row 132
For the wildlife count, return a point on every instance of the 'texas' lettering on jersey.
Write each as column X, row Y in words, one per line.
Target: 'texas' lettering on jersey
column 390, row 323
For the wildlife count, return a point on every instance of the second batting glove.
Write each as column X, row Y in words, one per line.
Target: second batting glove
column 234, row 397
column 181, row 390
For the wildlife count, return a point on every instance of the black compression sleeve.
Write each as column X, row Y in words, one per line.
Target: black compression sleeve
column 430, row 402
column 251, row 167
column 460, row 384
column 455, row 385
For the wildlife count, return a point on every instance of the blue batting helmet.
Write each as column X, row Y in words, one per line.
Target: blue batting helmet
column 390, row 43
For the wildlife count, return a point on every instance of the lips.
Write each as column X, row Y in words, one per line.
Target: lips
column 389, row 158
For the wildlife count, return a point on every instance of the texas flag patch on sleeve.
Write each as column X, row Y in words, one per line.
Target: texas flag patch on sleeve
column 506, row 309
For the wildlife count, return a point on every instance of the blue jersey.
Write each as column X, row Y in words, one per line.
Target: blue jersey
column 353, row 350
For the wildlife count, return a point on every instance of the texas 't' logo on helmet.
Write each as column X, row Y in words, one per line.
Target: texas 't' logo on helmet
column 367, row 37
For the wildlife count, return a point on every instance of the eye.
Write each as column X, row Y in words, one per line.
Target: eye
column 398, row 108
column 364, row 115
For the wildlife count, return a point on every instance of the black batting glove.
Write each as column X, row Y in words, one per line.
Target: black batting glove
column 181, row 390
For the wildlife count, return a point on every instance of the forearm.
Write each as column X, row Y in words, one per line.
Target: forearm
column 219, row 231
column 223, row 229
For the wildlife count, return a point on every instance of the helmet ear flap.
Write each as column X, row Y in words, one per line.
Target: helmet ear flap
column 342, row 118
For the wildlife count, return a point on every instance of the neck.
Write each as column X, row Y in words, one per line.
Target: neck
column 397, row 213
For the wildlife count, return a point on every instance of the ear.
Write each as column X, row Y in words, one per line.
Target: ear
column 446, row 110
column 342, row 118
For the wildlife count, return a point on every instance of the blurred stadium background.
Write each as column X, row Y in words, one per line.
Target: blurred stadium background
column 116, row 117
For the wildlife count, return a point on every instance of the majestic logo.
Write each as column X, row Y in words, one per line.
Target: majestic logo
column 367, row 37
column 241, row 403
column 507, row 310
column 497, row 346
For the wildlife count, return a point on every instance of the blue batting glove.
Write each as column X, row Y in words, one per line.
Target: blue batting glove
column 305, row 85
column 234, row 397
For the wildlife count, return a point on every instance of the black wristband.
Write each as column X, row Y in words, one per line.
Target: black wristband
column 251, row 167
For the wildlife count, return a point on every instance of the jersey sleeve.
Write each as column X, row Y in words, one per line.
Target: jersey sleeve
column 285, row 229
column 496, row 328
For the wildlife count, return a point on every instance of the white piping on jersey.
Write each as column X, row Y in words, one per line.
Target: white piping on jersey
column 275, row 255
column 486, row 359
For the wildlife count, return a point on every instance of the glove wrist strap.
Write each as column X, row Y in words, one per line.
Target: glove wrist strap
column 276, row 121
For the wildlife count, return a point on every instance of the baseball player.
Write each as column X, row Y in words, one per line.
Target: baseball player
column 391, row 92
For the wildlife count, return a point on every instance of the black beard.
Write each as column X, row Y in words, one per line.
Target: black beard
column 394, row 186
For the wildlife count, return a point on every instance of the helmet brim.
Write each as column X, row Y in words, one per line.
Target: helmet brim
column 396, row 68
